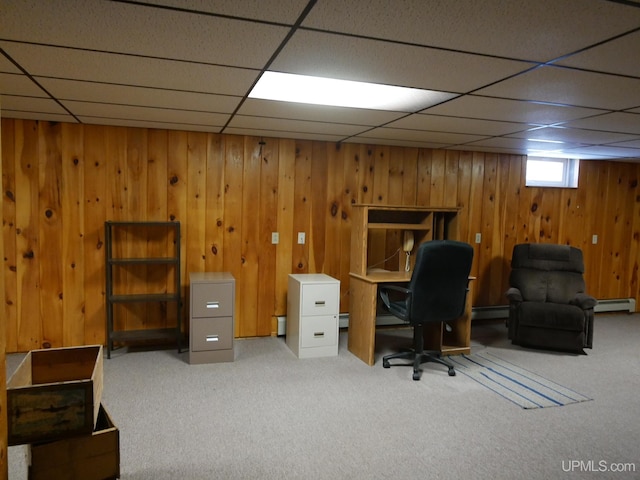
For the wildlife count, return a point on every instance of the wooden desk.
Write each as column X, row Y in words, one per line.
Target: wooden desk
column 362, row 319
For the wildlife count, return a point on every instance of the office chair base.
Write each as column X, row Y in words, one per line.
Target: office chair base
column 418, row 359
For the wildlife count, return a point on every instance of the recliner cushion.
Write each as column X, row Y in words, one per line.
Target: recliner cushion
column 552, row 316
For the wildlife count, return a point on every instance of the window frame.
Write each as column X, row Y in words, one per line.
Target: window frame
column 570, row 171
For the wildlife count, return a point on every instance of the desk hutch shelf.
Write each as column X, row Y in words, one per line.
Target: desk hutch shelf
column 142, row 268
column 377, row 256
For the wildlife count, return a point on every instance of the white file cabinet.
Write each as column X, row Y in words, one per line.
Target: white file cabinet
column 211, row 328
column 313, row 305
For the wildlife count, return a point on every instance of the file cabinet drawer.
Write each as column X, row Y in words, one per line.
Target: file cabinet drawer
column 320, row 299
column 319, row 331
column 211, row 334
column 212, row 301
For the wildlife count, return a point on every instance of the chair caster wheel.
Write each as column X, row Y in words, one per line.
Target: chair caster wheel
column 416, row 375
column 452, row 372
column 385, row 364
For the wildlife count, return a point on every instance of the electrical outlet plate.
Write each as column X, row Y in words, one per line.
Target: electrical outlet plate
column 275, row 238
column 594, row 239
column 478, row 237
column 301, row 238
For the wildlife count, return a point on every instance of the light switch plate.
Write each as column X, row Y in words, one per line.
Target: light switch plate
column 301, row 238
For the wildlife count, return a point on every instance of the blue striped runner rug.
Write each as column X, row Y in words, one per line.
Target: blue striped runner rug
column 516, row 384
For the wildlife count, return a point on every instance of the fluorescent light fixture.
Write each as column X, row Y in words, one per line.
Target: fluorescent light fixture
column 543, row 141
column 287, row 87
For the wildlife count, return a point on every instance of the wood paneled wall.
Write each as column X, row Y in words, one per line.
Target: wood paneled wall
column 62, row 181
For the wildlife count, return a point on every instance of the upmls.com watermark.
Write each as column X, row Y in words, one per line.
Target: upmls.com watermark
column 597, row 466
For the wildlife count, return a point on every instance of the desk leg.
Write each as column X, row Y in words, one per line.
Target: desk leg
column 362, row 319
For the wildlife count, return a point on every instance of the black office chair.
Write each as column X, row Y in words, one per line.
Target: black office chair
column 437, row 293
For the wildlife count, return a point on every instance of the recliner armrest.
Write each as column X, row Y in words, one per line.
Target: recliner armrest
column 514, row 294
column 584, row 301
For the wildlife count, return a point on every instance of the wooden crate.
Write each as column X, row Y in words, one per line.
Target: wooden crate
column 86, row 457
column 55, row 393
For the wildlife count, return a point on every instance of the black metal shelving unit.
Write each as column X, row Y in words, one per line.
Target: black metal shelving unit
column 111, row 263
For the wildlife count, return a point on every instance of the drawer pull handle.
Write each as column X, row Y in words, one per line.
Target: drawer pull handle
column 320, row 303
column 213, row 304
column 212, row 338
column 318, row 334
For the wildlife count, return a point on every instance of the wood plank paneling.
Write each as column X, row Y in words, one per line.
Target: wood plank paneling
column 61, row 182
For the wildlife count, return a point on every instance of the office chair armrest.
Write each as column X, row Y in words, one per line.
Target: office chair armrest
column 584, row 301
column 385, row 290
column 514, row 294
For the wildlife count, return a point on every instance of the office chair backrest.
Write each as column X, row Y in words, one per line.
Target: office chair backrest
column 439, row 281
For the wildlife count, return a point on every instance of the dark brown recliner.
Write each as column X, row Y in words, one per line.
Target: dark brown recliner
column 548, row 306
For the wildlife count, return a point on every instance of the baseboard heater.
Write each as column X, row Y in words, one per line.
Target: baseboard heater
column 483, row 313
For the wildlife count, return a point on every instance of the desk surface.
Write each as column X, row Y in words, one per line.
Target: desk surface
column 383, row 276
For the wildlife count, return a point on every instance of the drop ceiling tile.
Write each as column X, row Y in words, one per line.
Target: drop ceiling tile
column 419, row 135
column 161, row 125
column 569, row 87
column 139, row 96
column 31, row 104
column 39, row 116
column 499, row 109
column 609, row 151
column 522, row 145
column 285, row 125
column 572, row 135
column 440, row 123
column 320, row 113
column 83, row 109
column 141, row 30
column 257, row 132
column 463, row 25
column 18, row 84
column 7, row 66
column 393, row 142
column 629, row 144
column 281, row 11
column 612, row 122
column 350, row 58
column 617, row 56
column 71, row 64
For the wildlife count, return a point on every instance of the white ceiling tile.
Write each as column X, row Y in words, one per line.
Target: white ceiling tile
column 188, row 64
column 141, row 30
column 521, row 144
column 569, row 87
column 349, row 58
column 499, row 109
column 139, row 96
column 257, row 132
column 32, row 104
column 611, row 122
column 394, row 142
column 285, row 125
column 440, row 123
column 320, row 113
column 606, row 150
column 283, row 11
column 574, row 135
column 617, row 56
column 419, row 135
column 130, row 70
column 43, row 117
column 473, row 25
column 7, row 66
column 83, row 110
column 18, row 84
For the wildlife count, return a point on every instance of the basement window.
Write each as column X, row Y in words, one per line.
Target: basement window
column 552, row 172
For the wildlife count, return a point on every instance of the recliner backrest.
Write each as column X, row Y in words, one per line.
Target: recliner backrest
column 439, row 280
column 547, row 272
